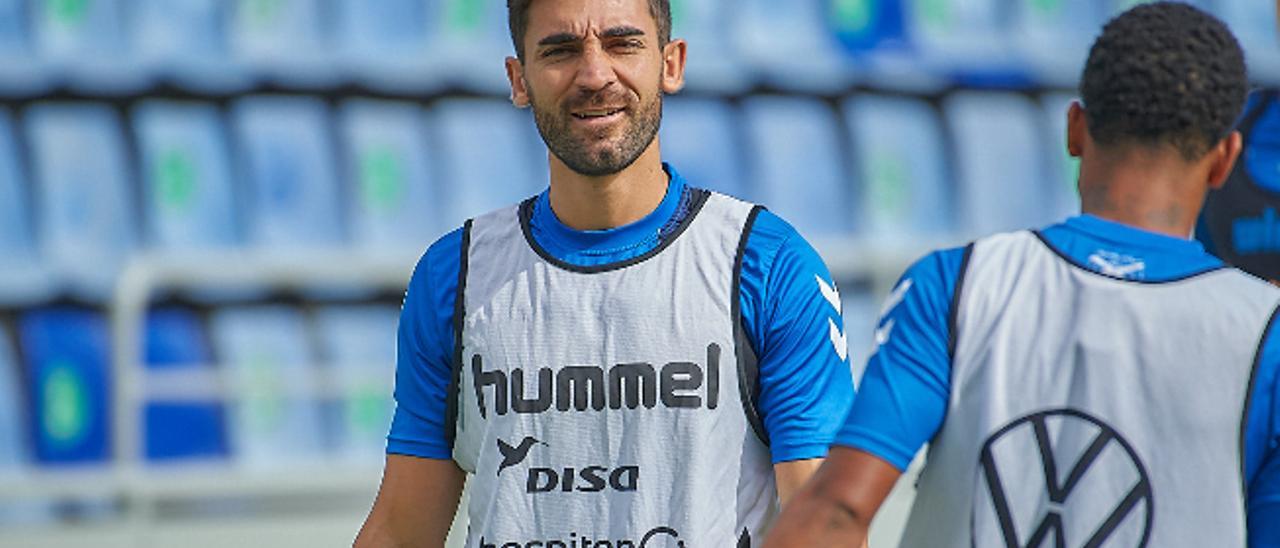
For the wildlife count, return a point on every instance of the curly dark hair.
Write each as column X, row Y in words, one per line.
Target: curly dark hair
column 518, row 21
column 1164, row 73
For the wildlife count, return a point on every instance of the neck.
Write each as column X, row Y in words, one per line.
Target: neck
column 610, row 201
column 1152, row 190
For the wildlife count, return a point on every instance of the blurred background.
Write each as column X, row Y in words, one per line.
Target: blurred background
column 209, row 210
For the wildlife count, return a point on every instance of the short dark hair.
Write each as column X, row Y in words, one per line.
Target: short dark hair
column 1164, row 73
column 518, row 21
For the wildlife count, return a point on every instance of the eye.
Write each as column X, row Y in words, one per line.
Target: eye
column 560, row 51
column 628, row 45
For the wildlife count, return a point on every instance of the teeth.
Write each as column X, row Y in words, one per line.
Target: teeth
column 596, row 114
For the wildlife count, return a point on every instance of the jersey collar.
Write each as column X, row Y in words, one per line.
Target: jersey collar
column 561, row 240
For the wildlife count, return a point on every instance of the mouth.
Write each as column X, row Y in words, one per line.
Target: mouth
column 598, row 114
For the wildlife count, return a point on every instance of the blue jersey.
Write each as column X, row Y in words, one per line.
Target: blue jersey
column 1241, row 220
column 905, row 392
column 789, row 311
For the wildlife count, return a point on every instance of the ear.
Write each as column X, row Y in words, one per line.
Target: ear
column 1077, row 130
column 1224, row 157
column 673, row 59
column 519, row 88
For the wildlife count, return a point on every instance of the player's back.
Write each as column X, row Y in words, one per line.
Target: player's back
column 1090, row 403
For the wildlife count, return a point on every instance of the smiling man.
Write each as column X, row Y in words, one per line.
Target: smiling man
column 625, row 359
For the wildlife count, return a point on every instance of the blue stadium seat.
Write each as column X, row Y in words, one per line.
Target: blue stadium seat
column 287, row 151
column 23, row 279
column 68, row 383
column 713, row 64
column 1002, row 178
column 966, row 39
column 387, row 43
column 177, row 347
column 86, row 219
column 700, row 138
column 186, row 41
column 88, row 42
column 1064, row 171
column 21, row 70
column 901, row 167
column 269, row 362
column 798, row 165
column 15, row 450
column 491, row 157
column 359, row 347
column 1254, row 23
column 790, row 45
column 472, row 41
column 283, row 40
column 389, row 163
column 1054, row 36
column 187, row 173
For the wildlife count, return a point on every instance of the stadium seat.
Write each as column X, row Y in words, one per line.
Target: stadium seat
column 798, row 165
column 14, row 447
column 389, row 162
column 860, row 318
column 177, row 348
column 1003, row 183
column 1254, row 23
column 900, row 157
column 713, row 64
column 282, row 40
column 269, row 362
column 87, row 41
column 1053, row 37
column 21, row 70
column 359, row 347
column 68, row 382
column 789, row 45
column 23, row 279
column 386, row 44
column 287, row 151
column 187, row 174
column 472, row 41
column 185, row 41
column 700, row 138
column 491, row 157
column 1064, row 171
column 86, row 219
column 965, row 39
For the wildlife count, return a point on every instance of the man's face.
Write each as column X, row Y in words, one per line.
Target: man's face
column 594, row 74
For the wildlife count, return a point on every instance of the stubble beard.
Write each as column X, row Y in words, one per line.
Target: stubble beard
column 583, row 155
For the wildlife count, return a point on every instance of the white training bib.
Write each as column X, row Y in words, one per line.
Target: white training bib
column 609, row 406
column 1088, row 411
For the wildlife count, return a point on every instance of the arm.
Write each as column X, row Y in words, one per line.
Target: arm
column 900, row 406
column 415, row 505
column 791, row 314
column 421, row 484
column 790, row 476
column 836, row 508
column 1262, row 446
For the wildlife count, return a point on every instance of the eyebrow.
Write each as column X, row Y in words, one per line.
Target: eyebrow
column 569, row 38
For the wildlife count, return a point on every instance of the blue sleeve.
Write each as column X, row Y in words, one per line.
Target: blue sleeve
column 1262, row 445
column 904, row 392
column 424, row 353
column 791, row 315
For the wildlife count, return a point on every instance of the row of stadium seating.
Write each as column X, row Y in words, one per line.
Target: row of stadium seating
column 424, row 45
column 85, row 186
column 292, row 400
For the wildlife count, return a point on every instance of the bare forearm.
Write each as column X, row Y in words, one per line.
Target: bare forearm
column 415, row 506
column 816, row 519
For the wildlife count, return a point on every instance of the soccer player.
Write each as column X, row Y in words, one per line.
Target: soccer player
column 624, row 360
column 1241, row 221
column 1101, row 382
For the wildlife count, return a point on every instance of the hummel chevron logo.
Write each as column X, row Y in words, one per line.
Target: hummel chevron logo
column 899, row 293
column 512, row 456
column 839, row 340
column 1118, row 266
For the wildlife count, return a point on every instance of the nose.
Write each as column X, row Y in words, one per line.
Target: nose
column 595, row 71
